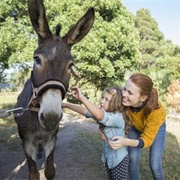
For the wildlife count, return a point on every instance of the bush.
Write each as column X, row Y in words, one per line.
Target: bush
column 173, row 96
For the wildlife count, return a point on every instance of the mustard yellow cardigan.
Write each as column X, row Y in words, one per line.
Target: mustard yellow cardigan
column 148, row 126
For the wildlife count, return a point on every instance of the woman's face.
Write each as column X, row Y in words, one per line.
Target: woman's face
column 104, row 102
column 131, row 95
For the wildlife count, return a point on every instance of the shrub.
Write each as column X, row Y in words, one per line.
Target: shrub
column 173, row 96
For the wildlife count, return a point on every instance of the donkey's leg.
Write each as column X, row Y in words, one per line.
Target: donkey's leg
column 30, row 152
column 33, row 172
column 49, row 151
column 50, row 168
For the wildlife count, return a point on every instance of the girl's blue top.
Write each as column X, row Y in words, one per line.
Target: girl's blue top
column 114, row 126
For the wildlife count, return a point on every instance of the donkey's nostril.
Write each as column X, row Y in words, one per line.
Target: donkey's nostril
column 49, row 121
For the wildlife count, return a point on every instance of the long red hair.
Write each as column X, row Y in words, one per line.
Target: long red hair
column 145, row 84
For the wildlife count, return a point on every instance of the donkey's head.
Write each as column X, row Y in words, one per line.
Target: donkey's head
column 53, row 61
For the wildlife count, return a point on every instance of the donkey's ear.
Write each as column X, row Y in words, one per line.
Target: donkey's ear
column 81, row 28
column 38, row 19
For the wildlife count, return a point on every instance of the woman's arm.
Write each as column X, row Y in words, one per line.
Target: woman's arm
column 93, row 109
column 119, row 141
column 77, row 108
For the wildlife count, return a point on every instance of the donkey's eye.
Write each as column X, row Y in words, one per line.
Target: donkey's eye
column 37, row 60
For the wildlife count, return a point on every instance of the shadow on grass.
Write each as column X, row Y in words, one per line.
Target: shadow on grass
column 12, row 158
column 9, row 132
column 171, row 160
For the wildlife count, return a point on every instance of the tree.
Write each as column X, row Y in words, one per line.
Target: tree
column 150, row 37
column 14, row 27
column 111, row 48
column 160, row 57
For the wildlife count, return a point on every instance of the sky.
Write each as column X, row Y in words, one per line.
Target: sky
column 165, row 12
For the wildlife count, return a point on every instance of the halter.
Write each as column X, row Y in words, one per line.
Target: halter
column 37, row 91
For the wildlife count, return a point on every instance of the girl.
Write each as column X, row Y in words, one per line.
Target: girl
column 109, row 116
column 148, row 125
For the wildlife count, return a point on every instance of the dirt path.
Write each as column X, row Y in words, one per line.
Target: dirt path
column 77, row 155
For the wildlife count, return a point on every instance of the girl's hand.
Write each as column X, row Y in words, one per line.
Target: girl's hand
column 64, row 105
column 76, row 92
column 117, row 142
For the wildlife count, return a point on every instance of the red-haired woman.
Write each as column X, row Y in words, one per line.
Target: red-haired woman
column 148, row 125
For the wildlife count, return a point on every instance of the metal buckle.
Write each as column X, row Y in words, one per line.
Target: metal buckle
column 19, row 109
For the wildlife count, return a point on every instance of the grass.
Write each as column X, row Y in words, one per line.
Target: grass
column 171, row 157
column 8, row 127
column 8, row 100
column 90, row 143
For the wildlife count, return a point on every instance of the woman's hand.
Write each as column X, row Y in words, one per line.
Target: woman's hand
column 76, row 92
column 117, row 142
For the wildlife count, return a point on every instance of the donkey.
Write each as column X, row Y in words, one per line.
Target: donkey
column 44, row 91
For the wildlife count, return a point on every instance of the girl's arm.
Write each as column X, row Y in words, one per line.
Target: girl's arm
column 74, row 107
column 93, row 109
column 119, row 141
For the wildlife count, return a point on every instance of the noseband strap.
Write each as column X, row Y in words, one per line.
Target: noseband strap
column 38, row 91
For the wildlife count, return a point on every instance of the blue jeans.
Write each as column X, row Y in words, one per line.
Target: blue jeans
column 155, row 154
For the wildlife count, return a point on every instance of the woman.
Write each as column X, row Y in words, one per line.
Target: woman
column 148, row 125
column 109, row 116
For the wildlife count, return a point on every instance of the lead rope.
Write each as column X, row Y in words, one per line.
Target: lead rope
column 7, row 113
column 21, row 110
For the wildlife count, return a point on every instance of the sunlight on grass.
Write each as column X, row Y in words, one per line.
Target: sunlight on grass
column 8, row 100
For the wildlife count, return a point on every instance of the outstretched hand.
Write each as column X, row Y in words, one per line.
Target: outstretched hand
column 76, row 92
column 117, row 142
